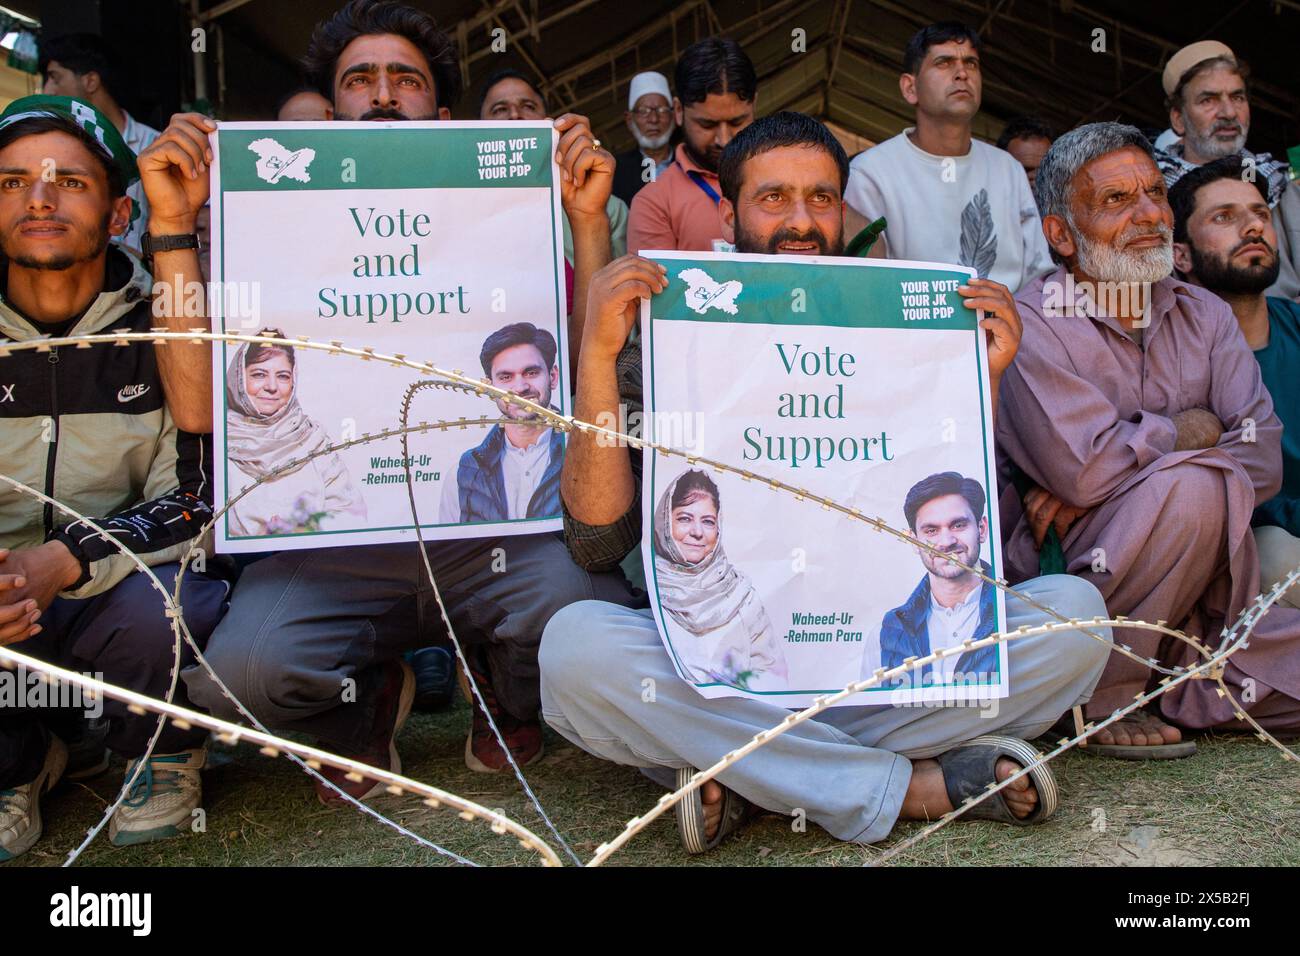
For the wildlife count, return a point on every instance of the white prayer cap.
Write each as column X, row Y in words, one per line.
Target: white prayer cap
column 1188, row 57
column 644, row 83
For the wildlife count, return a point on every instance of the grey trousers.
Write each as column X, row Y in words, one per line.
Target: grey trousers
column 848, row 768
column 305, row 628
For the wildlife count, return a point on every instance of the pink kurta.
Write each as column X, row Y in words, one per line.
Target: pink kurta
column 1086, row 413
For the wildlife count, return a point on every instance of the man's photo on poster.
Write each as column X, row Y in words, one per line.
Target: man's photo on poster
column 514, row 472
column 949, row 604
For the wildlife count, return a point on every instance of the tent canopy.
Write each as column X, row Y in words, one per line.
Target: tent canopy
column 1064, row 61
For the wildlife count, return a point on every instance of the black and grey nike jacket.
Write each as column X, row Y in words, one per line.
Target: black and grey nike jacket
column 89, row 428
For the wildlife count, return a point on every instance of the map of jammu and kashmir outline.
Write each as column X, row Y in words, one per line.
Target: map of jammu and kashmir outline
column 275, row 162
column 705, row 294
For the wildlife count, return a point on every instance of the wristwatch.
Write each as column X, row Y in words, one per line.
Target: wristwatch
column 151, row 244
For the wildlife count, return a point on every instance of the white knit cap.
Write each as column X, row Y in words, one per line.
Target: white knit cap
column 644, row 83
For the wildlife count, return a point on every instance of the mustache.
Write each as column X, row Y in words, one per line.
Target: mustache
column 1137, row 232
column 1261, row 241
column 29, row 218
column 383, row 112
column 785, row 234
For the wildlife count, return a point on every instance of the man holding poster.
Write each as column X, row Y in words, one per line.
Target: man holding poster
column 317, row 633
column 609, row 684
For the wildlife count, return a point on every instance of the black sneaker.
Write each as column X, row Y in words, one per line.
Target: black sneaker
column 87, row 753
column 435, row 678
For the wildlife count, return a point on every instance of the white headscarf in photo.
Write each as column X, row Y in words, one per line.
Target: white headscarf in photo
column 706, row 596
column 257, row 443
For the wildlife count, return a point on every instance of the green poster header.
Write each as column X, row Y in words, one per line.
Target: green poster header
column 283, row 157
column 763, row 291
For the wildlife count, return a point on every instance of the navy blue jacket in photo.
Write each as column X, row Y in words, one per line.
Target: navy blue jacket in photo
column 480, row 478
column 905, row 632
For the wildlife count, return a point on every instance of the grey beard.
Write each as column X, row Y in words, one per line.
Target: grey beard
column 647, row 142
column 1105, row 263
column 1210, row 147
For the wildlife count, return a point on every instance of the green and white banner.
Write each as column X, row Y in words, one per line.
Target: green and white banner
column 440, row 241
column 864, row 381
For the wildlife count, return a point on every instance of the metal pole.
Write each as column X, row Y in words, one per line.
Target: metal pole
column 200, row 72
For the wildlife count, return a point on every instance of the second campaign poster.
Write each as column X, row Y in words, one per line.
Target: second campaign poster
column 437, row 241
column 865, row 381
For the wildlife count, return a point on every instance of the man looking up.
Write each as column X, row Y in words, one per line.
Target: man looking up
column 649, row 119
column 1208, row 96
column 945, row 196
column 716, row 88
column 1137, row 409
column 782, row 180
column 1224, row 240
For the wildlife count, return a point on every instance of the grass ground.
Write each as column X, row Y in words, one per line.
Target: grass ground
column 1235, row 803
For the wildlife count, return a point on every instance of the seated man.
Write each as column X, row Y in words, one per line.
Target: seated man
column 1136, row 407
column 1207, row 93
column 315, row 638
column 1224, row 240
column 89, row 427
column 855, row 770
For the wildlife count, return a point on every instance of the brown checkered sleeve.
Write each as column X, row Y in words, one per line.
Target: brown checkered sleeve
column 602, row 547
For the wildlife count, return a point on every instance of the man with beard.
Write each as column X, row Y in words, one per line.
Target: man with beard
column 945, row 196
column 309, row 626
column 854, row 770
column 649, row 119
column 89, row 428
column 514, row 472
column 1208, row 98
column 1224, row 240
column 1137, row 409
column 951, row 604
column 716, row 87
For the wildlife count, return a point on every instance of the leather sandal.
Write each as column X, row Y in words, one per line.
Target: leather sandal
column 1072, row 724
column 736, row 810
column 969, row 770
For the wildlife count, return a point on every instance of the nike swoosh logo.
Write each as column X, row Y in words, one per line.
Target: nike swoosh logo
column 128, row 392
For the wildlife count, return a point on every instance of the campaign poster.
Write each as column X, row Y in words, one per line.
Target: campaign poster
column 864, row 381
column 438, row 241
